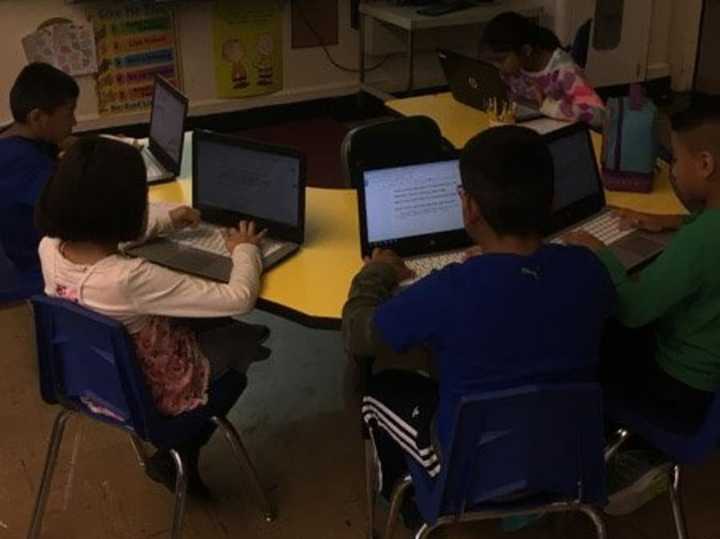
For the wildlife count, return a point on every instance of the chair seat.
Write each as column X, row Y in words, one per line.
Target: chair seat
column 683, row 443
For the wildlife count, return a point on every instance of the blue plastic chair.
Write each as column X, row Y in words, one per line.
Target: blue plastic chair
column 675, row 440
column 84, row 355
column 514, row 452
column 16, row 285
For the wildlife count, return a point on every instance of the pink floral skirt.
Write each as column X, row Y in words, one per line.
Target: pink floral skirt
column 175, row 369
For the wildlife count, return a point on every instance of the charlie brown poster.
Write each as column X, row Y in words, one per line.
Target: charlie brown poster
column 248, row 47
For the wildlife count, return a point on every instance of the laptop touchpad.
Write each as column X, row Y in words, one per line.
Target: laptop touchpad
column 639, row 245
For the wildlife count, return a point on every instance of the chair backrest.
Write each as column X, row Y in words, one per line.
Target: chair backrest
column 581, row 44
column 87, row 362
column 398, row 141
column 17, row 285
column 530, row 441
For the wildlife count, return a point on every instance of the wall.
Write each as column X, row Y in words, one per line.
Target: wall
column 307, row 72
column 708, row 75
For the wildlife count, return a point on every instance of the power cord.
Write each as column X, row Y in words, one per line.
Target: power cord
column 322, row 44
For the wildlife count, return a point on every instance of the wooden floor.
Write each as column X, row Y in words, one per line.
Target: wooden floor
column 303, row 437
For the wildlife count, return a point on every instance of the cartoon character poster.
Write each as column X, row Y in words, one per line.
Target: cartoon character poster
column 248, row 47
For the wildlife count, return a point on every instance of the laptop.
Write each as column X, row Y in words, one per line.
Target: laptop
column 414, row 210
column 579, row 202
column 235, row 179
column 475, row 83
column 163, row 153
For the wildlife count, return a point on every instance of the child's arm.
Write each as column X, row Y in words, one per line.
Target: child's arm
column 576, row 99
column 157, row 290
column 671, row 279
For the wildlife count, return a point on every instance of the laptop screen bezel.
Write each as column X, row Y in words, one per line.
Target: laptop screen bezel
column 227, row 218
column 588, row 206
column 165, row 159
column 412, row 245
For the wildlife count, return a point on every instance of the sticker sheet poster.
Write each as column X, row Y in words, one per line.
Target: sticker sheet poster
column 134, row 43
column 248, row 47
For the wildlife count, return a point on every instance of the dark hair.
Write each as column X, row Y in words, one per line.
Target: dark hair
column 41, row 86
column 703, row 109
column 509, row 173
column 510, row 32
column 99, row 194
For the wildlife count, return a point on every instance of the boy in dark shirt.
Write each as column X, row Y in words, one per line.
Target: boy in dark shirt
column 522, row 312
column 42, row 101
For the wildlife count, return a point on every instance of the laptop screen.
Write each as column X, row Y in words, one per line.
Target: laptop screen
column 411, row 201
column 578, row 189
column 242, row 179
column 167, row 121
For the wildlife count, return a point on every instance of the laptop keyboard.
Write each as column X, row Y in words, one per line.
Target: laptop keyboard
column 606, row 228
column 424, row 265
column 209, row 238
column 153, row 167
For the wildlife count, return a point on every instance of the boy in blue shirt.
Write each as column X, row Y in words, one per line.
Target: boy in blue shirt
column 522, row 312
column 42, row 102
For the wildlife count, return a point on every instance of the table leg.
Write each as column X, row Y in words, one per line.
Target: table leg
column 411, row 60
column 361, row 48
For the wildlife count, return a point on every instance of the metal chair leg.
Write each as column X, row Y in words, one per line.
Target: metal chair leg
column 50, row 461
column 139, row 451
column 621, row 436
column 425, row 531
column 370, row 485
column 597, row 519
column 677, row 508
column 180, row 495
column 395, row 503
column 233, row 438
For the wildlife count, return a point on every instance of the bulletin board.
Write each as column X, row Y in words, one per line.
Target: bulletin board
column 134, row 43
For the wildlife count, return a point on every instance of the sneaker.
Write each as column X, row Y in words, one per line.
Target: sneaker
column 634, row 478
column 161, row 469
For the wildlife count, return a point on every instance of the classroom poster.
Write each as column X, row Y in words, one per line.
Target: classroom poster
column 248, row 47
column 64, row 44
column 134, row 43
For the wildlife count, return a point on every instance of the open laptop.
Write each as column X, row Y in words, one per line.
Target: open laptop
column 414, row 210
column 579, row 201
column 475, row 83
column 235, row 179
column 163, row 153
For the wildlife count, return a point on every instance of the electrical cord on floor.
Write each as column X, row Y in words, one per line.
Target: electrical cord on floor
column 322, row 44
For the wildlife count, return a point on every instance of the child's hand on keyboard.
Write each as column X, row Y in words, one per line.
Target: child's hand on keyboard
column 244, row 233
column 581, row 238
column 386, row 256
column 184, row 216
column 647, row 221
column 473, row 251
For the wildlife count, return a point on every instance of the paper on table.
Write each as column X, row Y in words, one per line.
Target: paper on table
column 545, row 125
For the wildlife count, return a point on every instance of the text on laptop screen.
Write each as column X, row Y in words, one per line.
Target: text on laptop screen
column 575, row 170
column 167, row 122
column 256, row 183
column 412, row 201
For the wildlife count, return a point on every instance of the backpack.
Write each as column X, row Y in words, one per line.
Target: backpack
column 630, row 146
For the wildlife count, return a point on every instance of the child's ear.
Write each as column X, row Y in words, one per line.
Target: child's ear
column 707, row 163
column 527, row 51
column 36, row 117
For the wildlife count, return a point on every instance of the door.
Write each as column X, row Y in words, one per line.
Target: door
column 619, row 41
column 707, row 74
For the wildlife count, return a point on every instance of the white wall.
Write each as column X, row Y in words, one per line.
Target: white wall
column 308, row 74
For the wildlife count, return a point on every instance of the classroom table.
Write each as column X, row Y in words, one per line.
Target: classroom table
column 459, row 123
column 311, row 286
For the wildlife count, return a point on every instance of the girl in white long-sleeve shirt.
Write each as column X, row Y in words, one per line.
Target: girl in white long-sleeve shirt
column 96, row 201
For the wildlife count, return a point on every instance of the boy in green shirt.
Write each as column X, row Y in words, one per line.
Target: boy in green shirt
column 668, row 348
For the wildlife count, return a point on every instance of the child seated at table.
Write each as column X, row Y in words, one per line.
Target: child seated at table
column 42, row 102
column 670, row 356
column 99, row 198
column 537, row 70
column 522, row 312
